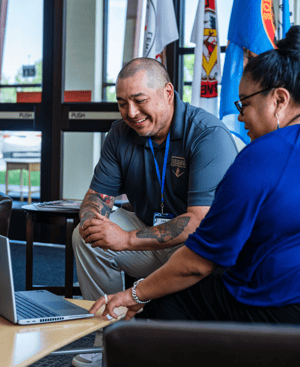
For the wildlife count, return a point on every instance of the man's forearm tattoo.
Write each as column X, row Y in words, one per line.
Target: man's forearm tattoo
column 96, row 202
column 109, row 200
column 165, row 232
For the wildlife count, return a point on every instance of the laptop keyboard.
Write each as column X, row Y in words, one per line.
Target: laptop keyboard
column 28, row 309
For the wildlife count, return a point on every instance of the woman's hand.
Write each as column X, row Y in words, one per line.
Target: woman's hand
column 116, row 300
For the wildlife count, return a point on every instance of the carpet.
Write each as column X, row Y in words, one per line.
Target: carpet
column 66, row 360
column 48, row 265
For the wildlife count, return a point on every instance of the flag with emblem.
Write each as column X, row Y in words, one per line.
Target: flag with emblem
column 251, row 28
column 207, row 57
column 160, row 28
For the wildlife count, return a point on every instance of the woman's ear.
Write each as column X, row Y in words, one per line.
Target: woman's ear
column 282, row 98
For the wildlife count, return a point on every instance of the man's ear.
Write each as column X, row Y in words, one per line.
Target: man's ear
column 169, row 92
column 282, row 98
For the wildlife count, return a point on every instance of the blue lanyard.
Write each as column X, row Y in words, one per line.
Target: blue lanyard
column 162, row 180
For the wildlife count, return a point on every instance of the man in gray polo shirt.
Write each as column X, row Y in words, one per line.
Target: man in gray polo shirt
column 168, row 158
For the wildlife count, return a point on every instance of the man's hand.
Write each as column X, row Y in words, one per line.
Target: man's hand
column 94, row 203
column 102, row 232
column 116, row 300
column 86, row 222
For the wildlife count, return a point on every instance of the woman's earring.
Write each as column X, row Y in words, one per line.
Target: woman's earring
column 278, row 122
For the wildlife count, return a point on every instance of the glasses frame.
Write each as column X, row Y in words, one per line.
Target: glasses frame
column 239, row 108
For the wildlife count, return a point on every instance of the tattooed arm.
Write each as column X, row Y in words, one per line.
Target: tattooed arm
column 108, row 235
column 168, row 234
column 93, row 203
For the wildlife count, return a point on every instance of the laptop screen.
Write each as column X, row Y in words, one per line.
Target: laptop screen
column 7, row 291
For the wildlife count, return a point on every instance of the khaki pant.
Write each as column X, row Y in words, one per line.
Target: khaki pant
column 100, row 271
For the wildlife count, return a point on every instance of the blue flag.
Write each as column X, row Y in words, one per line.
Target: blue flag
column 251, row 27
column 285, row 17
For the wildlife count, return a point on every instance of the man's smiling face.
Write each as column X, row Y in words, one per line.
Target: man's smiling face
column 146, row 110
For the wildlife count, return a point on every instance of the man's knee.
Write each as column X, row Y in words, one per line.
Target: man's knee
column 77, row 240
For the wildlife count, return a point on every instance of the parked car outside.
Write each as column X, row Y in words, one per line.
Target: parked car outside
column 21, row 144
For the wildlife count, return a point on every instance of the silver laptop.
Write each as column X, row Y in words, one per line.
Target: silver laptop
column 31, row 307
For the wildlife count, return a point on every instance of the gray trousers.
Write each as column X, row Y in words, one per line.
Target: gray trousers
column 100, row 271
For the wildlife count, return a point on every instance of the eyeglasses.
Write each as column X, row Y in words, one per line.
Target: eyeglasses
column 238, row 104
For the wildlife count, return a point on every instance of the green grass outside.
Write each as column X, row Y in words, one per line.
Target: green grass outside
column 14, row 178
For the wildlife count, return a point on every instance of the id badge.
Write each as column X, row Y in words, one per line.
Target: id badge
column 159, row 218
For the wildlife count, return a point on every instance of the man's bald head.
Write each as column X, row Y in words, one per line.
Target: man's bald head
column 157, row 75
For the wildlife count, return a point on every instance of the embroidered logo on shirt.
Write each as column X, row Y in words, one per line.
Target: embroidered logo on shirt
column 180, row 164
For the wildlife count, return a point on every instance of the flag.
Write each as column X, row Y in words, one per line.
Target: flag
column 251, row 27
column 160, row 27
column 285, row 17
column 207, row 70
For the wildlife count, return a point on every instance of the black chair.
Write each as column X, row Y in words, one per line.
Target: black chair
column 172, row 344
column 5, row 214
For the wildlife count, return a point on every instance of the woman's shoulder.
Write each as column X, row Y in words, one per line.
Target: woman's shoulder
column 263, row 157
column 272, row 142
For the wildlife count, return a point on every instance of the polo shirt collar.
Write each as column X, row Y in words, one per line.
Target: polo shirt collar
column 178, row 123
column 177, row 126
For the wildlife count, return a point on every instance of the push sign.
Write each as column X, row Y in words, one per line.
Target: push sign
column 29, row 71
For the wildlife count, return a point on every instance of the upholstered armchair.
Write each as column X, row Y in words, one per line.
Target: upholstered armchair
column 5, row 214
column 182, row 343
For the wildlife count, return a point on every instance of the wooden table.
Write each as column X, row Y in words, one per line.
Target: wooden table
column 29, row 164
column 64, row 217
column 23, row 345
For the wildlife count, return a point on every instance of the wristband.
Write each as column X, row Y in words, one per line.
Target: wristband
column 133, row 293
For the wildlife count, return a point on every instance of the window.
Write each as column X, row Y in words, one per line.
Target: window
column 116, row 23
column 94, row 43
column 21, row 52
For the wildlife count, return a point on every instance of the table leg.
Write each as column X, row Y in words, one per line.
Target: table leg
column 29, row 184
column 29, row 251
column 21, row 184
column 69, row 258
column 6, row 180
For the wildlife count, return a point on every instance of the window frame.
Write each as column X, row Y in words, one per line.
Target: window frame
column 52, row 115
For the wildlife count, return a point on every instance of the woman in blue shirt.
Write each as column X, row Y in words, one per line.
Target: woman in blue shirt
column 253, row 226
